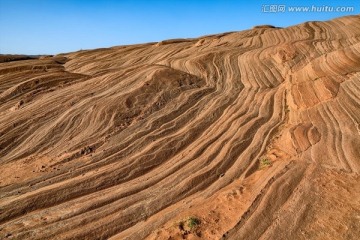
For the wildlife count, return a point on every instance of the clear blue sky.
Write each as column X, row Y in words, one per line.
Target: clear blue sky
column 55, row 26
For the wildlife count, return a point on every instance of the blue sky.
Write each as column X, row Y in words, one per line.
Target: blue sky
column 55, row 26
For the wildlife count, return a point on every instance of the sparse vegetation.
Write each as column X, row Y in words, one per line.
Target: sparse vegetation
column 264, row 162
column 189, row 224
column 193, row 222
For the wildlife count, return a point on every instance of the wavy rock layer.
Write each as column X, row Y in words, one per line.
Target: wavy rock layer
column 254, row 134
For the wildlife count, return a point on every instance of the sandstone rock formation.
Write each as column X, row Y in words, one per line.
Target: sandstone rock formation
column 243, row 135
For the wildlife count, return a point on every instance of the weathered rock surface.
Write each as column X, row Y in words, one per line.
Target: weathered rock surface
column 254, row 133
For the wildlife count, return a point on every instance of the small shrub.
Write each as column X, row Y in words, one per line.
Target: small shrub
column 189, row 224
column 193, row 222
column 264, row 162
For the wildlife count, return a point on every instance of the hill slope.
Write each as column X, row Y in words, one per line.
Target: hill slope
column 242, row 135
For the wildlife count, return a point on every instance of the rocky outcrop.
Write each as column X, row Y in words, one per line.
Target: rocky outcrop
column 246, row 135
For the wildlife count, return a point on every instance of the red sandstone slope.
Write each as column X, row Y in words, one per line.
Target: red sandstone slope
column 243, row 135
